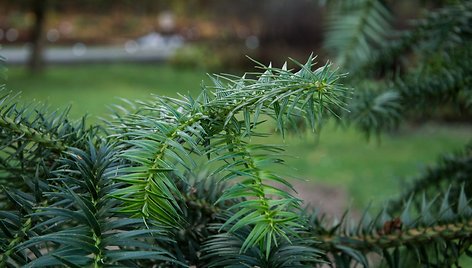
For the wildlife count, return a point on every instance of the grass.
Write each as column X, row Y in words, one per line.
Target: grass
column 369, row 171
column 91, row 88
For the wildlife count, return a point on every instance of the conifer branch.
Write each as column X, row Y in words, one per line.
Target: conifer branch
column 435, row 224
column 408, row 236
column 441, row 30
column 177, row 128
column 31, row 134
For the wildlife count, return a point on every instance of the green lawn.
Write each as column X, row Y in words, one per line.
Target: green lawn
column 367, row 170
column 371, row 171
column 90, row 88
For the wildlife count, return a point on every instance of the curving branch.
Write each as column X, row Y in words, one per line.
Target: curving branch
column 164, row 134
column 437, row 225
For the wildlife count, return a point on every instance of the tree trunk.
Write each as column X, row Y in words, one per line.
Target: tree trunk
column 36, row 61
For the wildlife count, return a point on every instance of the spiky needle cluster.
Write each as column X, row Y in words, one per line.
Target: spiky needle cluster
column 168, row 137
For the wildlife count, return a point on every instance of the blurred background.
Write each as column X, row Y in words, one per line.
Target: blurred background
column 123, row 49
column 91, row 53
column 211, row 35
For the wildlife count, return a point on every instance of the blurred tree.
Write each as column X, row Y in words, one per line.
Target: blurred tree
column 36, row 61
column 36, row 31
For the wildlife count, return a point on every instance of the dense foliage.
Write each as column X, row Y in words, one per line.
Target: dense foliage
column 174, row 182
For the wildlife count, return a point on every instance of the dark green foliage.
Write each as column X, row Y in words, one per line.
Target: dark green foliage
column 434, row 233
column 32, row 138
column 354, row 27
column 224, row 250
column 415, row 73
column 200, row 211
column 77, row 223
column 440, row 32
column 138, row 171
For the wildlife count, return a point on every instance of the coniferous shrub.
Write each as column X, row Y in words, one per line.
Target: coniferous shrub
column 176, row 182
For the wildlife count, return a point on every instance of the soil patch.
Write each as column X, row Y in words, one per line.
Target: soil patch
column 330, row 200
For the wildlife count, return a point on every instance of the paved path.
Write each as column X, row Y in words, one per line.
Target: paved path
column 82, row 54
